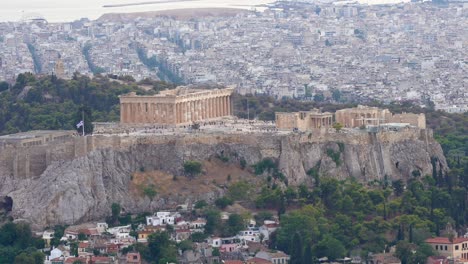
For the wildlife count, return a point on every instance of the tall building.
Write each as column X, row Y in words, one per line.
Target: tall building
column 182, row 105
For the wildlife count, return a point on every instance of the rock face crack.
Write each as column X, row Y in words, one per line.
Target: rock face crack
column 84, row 188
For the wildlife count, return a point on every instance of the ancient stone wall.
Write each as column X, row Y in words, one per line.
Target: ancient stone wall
column 417, row 120
column 31, row 161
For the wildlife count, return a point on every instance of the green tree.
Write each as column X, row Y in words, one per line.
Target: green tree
column 115, row 209
column 239, row 191
column 398, row 187
column 235, row 224
column 24, row 258
column 336, row 94
column 319, row 97
column 296, row 249
column 330, row 247
column 404, row 251
column 81, row 236
column 192, row 168
column 307, row 221
column 213, row 221
column 4, row 86
column 307, row 257
column 223, row 202
column 338, row 127
column 150, row 191
column 160, row 247
column 200, row 204
column 185, row 245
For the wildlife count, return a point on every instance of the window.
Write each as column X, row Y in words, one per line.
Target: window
column 445, row 247
column 437, row 247
column 456, row 247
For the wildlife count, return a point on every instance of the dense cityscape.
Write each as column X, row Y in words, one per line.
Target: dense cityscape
column 297, row 132
column 407, row 52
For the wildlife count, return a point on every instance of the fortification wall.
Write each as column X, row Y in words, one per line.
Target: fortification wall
column 32, row 161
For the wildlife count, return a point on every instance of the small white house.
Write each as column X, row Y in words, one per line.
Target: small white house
column 161, row 218
column 119, row 229
column 47, row 236
column 198, row 225
column 249, row 235
column 122, row 235
column 55, row 253
column 214, row 241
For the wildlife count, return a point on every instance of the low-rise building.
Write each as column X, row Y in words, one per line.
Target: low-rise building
column 133, row 258
column 277, row 257
column 456, row 248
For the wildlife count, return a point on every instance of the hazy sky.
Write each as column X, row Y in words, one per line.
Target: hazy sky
column 66, row 10
column 69, row 10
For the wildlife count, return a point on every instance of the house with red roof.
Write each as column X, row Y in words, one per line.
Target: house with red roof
column 133, row 258
column 85, row 249
column 456, row 248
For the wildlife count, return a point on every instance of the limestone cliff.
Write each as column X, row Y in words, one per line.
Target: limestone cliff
column 83, row 187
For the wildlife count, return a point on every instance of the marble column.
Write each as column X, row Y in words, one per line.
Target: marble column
column 223, row 100
column 226, row 112
column 221, row 106
column 210, row 107
column 204, row 108
column 199, row 114
column 192, row 111
column 123, row 113
column 180, row 113
column 175, row 113
column 229, row 106
column 215, row 110
column 218, row 107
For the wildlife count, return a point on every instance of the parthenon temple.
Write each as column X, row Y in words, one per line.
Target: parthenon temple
column 182, row 105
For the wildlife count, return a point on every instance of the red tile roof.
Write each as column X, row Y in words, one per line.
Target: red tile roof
column 233, row 262
column 73, row 259
column 83, row 245
column 445, row 240
column 95, row 258
column 258, row 261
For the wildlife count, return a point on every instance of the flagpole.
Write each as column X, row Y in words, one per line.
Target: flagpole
column 82, row 118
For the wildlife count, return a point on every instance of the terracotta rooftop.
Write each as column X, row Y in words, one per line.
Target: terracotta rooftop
column 258, row 261
column 233, row 262
column 445, row 240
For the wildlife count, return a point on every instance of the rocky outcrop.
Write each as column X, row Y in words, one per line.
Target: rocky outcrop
column 83, row 188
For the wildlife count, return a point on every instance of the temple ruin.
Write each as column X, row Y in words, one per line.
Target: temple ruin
column 182, row 105
column 304, row 120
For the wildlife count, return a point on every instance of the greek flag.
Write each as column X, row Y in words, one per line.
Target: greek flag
column 80, row 124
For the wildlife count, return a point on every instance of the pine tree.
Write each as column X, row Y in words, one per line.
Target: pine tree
column 307, row 257
column 296, row 249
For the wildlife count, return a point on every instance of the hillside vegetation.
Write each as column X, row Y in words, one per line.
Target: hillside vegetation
column 51, row 103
